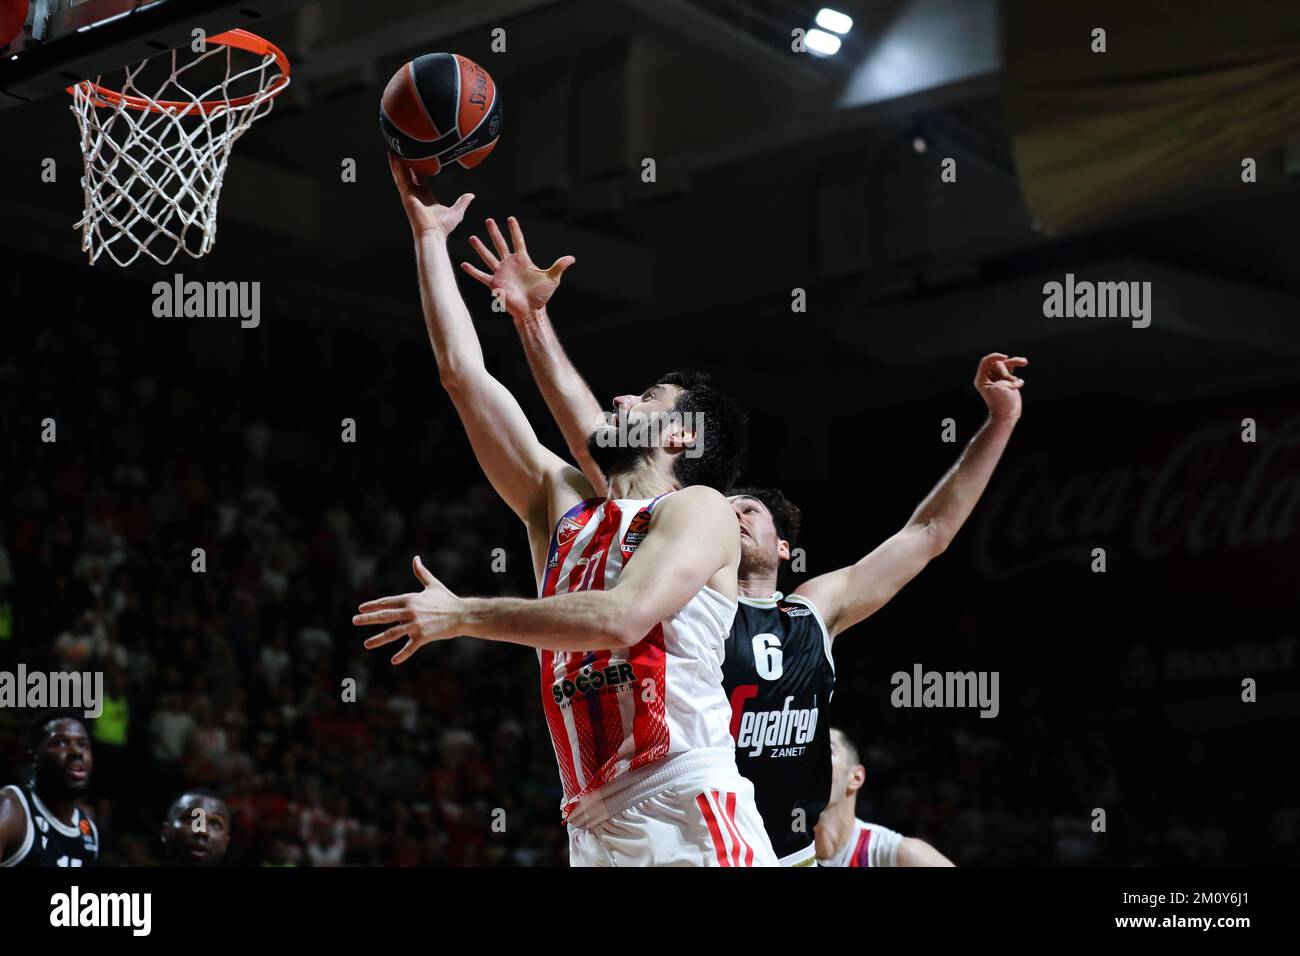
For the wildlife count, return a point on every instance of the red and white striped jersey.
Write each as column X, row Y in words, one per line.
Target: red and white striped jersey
column 870, row 844
column 613, row 715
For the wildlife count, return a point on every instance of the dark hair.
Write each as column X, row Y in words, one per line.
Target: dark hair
column 787, row 518
column 174, row 810
column 854, row 756
column 724, row 437
column 36, row 734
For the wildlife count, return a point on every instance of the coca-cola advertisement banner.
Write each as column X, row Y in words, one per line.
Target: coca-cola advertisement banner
column 1208, row 508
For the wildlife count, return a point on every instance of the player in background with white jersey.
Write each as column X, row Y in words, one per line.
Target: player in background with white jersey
column 638, row 591
column 778, row 669
column 844, row 840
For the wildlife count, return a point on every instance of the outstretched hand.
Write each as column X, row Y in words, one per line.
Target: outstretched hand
column 421, row 616
column 522, row 286
column 427, row 216
column 1000, row 387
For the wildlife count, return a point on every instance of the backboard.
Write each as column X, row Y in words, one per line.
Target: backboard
column 62, row 42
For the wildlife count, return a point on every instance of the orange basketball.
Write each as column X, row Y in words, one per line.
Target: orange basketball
column 440, row 108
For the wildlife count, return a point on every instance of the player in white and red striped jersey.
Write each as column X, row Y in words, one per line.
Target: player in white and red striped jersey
column 637, row 591
column 647, row 722
column 844, row 840
column 778, row 667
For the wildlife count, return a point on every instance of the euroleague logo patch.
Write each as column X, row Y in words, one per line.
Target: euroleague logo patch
column 636, row 531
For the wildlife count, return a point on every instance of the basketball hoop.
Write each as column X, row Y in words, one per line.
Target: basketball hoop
column 154, row 165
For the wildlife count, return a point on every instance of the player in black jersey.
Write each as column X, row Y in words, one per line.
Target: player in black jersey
column 45, row 824
column 778, row 668
column 196, row 831
column 780, row 675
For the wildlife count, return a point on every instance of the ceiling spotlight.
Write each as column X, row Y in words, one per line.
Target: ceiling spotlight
column 819, row 41
column 834, row 21
column 919, row 144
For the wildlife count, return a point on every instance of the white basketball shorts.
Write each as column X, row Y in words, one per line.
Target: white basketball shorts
column 699, row 812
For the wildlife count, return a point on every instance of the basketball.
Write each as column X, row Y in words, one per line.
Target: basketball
column 440, row 108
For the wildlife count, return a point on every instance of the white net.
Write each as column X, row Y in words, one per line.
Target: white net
column 155, row 161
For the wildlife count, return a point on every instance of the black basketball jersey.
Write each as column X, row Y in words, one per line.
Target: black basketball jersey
column 50, row 841
column 779, row 677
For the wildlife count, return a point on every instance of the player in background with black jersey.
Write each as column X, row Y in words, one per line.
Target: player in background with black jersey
column 45, row 823
column 778, row 668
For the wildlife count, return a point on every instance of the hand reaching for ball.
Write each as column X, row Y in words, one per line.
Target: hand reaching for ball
column 523, row 287
column 427, row 215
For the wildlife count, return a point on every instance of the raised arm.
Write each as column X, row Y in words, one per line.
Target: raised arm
column 525, row 290
column 691, row 538
column 513, row 460
column 851, row 594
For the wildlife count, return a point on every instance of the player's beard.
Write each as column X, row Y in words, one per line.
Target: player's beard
column 756, row 559
column 53, row 784
column 612, row 456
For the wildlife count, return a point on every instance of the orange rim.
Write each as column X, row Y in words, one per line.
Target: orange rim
column 241, row 39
